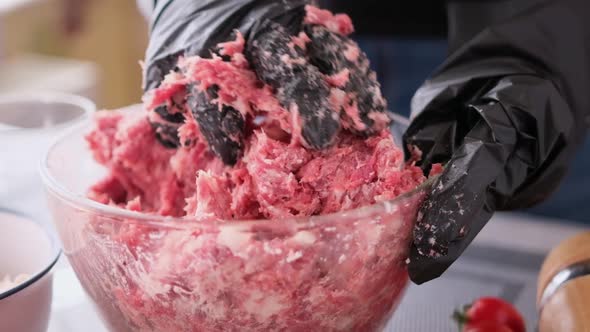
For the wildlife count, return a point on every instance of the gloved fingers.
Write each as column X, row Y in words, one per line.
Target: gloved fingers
column 166, row 134
column 221, row 125
column 320, row 81
column 363, row 108
column 279, row 62
column 425, row 266
column 454, row 212
column 166, row 126
column 186, row 27
column 167, row 118
column 156, row 71
column 461, row 202
column 165, row 121
column 437, row 133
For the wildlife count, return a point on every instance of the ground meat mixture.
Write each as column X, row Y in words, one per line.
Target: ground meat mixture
column 278, row 169
column 297, row 128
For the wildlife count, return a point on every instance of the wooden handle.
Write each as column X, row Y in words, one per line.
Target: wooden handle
column 568, row 310
column 563, row 293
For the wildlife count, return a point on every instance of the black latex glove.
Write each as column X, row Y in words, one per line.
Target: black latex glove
column 505, row 112
column 188, row 27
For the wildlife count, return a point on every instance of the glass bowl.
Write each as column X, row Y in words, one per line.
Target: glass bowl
column 28, row 124
column 339, row 272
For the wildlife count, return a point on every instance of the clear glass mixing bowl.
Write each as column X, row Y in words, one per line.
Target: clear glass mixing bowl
column 339, row 272
column 28, row 124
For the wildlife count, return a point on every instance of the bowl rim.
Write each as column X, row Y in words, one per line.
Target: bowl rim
column 55, row 255
column 84, row 203
column 47, row 97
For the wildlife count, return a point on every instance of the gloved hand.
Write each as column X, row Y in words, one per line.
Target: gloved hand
column 505, row 113
column 188, row 27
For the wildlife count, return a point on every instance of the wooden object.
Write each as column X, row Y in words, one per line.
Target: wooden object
column 563, row 293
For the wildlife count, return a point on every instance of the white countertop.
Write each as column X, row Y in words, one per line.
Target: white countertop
column 502, row 261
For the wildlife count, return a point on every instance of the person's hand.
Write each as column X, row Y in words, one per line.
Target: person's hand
column 505, row 117
column 490, row 147
column 296, row 72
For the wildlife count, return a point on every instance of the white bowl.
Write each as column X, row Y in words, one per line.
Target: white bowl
column 26, row 247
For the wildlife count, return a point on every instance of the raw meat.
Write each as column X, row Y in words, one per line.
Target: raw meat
column 202, row 273
column 274, row 179
column 277, row 175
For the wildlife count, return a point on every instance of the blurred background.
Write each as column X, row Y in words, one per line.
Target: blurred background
column 86, row 47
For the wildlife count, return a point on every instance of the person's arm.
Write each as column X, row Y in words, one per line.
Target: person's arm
column 506, row 112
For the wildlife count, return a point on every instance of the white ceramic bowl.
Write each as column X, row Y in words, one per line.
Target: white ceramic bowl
column 26, row 247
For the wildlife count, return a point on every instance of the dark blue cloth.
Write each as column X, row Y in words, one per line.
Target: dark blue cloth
column 572, row 199
column 403, row 65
